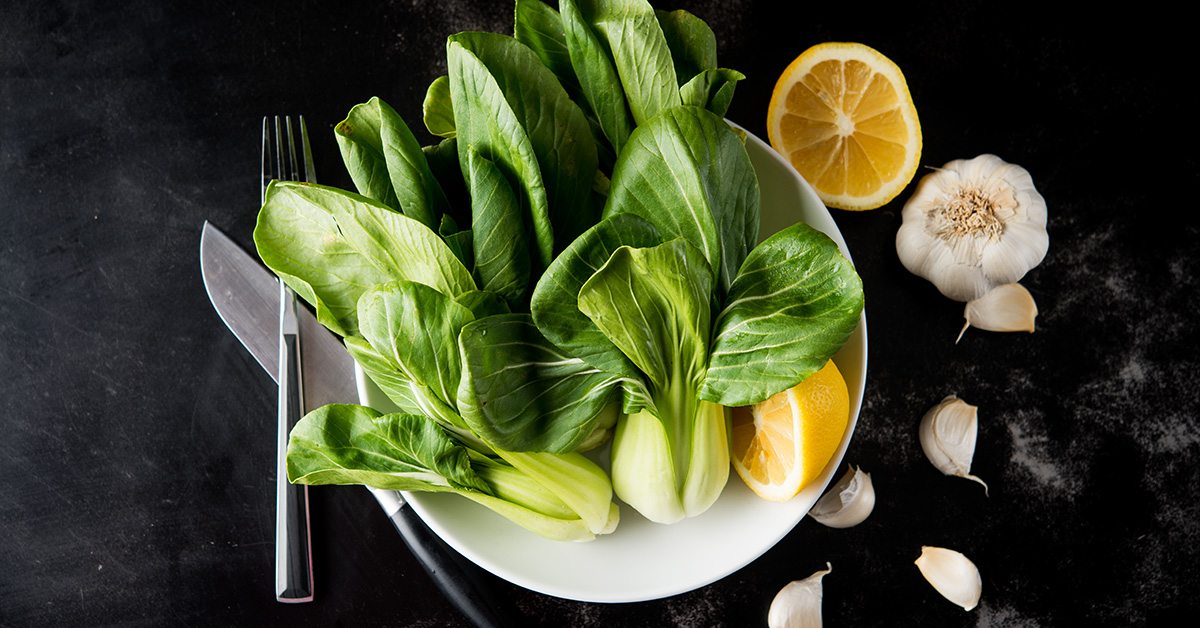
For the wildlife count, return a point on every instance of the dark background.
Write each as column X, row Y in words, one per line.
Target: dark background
column 137, row 442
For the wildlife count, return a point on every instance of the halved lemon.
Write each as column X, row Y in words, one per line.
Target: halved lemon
column 841, row 113
column 781, row 445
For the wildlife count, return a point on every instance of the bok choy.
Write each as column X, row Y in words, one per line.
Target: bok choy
column 400, row 292
column 576, row 259
column 669, row 295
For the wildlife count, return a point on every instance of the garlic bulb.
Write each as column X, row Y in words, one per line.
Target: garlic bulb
column 952, row 574
column 798, row 604
column 973, row 225
column 948, row 432
column 1007, row 308
column 848, row 503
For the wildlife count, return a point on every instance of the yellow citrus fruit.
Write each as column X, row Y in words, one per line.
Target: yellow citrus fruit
column 842, row 115
column 781, row 445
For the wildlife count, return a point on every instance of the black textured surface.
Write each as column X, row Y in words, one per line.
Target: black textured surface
column 136, row 452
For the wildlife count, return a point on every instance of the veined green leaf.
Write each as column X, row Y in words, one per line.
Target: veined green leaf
column 599, row 81
column 486, row 123
column 387, row 164
column 360, row 138
column 687, row 172
column 416, row 327
column 396, row 245
column 555, row 301
column 498, row 234
column 519, row 392
column 437, row 110
column 350, row 444
column 513, row 96
column 408, row 395
column 693, row 44
column 711, row 89
column 654, row 305
column 793, row 305
column 331, row 246
column 537, row 25
column 640, row 53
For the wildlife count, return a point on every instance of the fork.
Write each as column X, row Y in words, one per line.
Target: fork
column 293, row 542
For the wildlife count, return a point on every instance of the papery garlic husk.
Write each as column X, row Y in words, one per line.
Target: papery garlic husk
column 798, row 604
column 948, row 432
column 973, row 225
column 1007, row 308
column 952, row 574
column 848, row 503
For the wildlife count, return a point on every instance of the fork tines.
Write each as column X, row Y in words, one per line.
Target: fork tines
column 279, row 160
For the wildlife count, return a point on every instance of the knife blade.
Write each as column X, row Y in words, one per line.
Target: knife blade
column 245, row 296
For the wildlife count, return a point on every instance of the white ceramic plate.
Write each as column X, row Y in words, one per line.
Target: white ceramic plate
column 642, row 560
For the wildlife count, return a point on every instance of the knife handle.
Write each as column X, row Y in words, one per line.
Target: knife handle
column 463, row 583
column 293, row 544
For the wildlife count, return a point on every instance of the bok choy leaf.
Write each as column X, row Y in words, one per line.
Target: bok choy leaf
column 386, row 163
column 331, row 246
column 351, row 444
column 513, row 110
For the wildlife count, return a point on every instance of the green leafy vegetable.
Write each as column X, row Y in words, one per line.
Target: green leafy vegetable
column 350, row 444
column 537, row 25
column 498, row 235
column 522, row 393
column 685, row 177
column 438, row 108
column 631, row 32
column 599, row 80
column 693, row 44
column 555, row 299
column 711, row 89
column 688, row 174
column 387, row 164
column 331, row 245
column 574, row 259
column 653, row 304
column 513, row 110
column 794, row 304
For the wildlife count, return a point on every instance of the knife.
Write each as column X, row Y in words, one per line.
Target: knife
column 246, row 297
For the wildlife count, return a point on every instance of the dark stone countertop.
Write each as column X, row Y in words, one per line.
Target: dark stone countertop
column 137, row 454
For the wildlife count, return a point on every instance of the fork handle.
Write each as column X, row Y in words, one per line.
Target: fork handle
column 293, row 545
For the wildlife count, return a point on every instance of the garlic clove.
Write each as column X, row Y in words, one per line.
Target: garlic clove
column 948, row 432
column 952, row 574
column 798, row 604
column 1007, row 308
column 848, row 503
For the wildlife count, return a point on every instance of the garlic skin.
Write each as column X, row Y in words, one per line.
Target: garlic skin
column 848, row 503
column 952, row 574
column 948, row 432
column 973, row 225
column 798, row 604
column 1007, row 308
